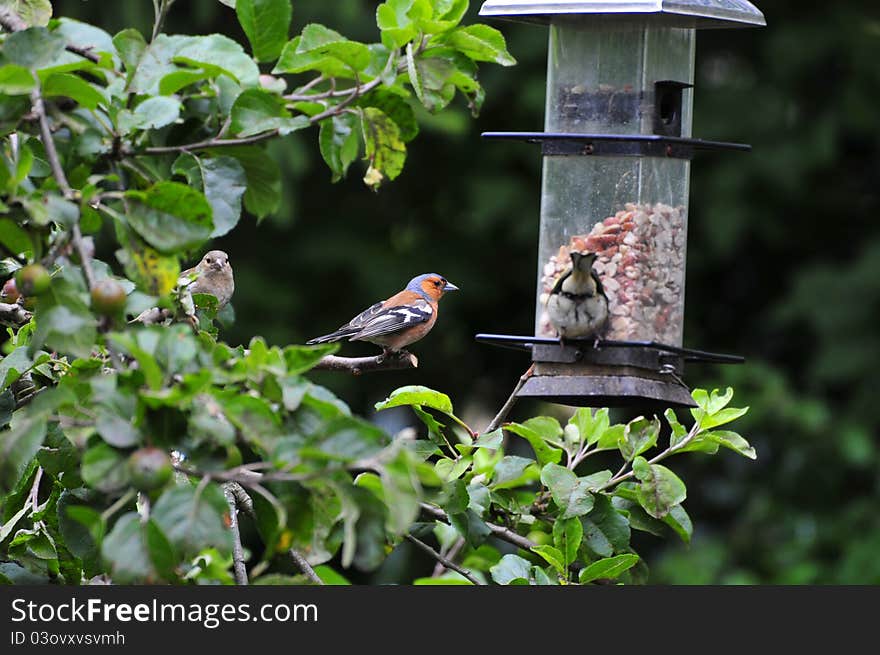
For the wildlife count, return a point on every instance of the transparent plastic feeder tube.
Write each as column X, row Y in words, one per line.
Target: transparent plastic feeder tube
column 630, row 210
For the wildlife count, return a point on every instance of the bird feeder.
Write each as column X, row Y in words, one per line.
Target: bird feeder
column 617, row 147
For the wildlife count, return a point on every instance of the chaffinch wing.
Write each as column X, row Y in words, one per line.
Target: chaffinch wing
column 402, row 319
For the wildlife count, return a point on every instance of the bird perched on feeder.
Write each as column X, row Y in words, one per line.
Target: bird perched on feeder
column 402, row 319
column 212, row 275
column 577, row 305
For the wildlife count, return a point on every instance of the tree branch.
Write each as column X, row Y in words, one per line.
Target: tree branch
column 511, row 401
column 13, row 314
column 303, row 565
column 358, row 365
column 421, row 545
column 238, row 567
column 76, row 237
column 499, row 531
column 12, row 22
column 212, row 143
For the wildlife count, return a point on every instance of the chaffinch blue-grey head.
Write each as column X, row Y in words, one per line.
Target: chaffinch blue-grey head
column 402, row 319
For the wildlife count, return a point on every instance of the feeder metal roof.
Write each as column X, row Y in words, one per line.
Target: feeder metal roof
column 678, row 13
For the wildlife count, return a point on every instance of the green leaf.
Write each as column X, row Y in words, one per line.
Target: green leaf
column 730, row 440
column 221, row 53
column 339, row 141
column 385, row 149
column 76, row 88
column 265, row 22
column 263, row 195
column 491, row 440
column 13, row 365
column 569, row 492
column 679, row 432
column 193, row 519
column 33, row 12
column 398, row 20
column 170, row 216
column 15, row 80
column 720, row 418
column 590, row 426
column 397, row 108
column 545, row 453
column 127, row 550
column 638, row 436
column 320, row 40
column 608, row 568
column 300, row 359
column 680, row 522
column 451, row 469
column 33, row 48
column 130, row 45
column 104, row 468
column 151, row 114
column 116, row 430
column 18, row 445
column 65, row 324
column 552, row 556
column 153, row 272
column 223, row 182
column 417, row 395
column 480, row 43
column 660, row 489
column 511, row 471
column 509, row 569
column 256, row 111
column 567, row 537
column 330, row 576
column 606, row 530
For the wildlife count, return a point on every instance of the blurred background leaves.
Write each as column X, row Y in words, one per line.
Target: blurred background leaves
column 783, row 267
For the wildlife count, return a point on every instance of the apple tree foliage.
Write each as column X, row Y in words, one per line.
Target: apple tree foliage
column 125, row 448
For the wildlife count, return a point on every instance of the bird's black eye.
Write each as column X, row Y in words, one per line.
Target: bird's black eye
column 438, row 283
column 207, row 260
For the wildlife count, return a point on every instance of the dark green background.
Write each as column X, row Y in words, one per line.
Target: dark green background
column 783, row 267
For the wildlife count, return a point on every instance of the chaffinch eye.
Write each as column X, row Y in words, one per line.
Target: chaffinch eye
column 207, row 260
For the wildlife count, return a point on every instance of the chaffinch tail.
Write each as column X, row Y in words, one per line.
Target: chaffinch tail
column 577, row 306
column 402, row 319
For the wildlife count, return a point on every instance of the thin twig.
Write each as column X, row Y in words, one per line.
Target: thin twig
column 212, row 143
column 453, row 551
column 35, row 489
column 238, row 567
column 511, row 401
column 620, row 476
column 76, row 237
column 304, row 566
column 505, row 534
column 421, row 545
column 358, row 365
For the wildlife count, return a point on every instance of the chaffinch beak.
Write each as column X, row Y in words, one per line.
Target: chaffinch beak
column 449, row 287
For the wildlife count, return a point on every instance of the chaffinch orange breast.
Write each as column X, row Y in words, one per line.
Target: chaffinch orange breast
column 402, row 319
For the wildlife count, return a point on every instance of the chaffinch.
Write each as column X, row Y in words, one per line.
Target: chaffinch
column 212, row 275
column 577, row 306
column 402, row 319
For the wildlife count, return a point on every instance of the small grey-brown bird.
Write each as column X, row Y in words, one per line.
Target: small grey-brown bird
column 577, row 306
column 212, row 275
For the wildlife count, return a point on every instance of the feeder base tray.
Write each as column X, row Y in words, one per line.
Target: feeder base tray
column 607, row 391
